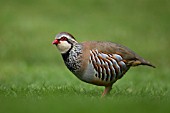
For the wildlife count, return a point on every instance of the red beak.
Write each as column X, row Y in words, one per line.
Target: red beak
column 55, row 41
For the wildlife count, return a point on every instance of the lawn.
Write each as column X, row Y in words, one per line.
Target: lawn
column 33, row 77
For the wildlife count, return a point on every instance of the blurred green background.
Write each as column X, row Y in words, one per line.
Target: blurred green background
column 33, row 77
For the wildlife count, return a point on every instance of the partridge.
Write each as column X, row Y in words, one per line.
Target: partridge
column 96, row 62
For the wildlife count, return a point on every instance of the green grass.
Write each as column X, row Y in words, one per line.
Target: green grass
column 33, row 77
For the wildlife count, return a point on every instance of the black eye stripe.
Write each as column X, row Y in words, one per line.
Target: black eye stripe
column 63, row 38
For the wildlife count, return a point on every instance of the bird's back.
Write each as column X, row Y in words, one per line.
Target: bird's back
column 131, row 58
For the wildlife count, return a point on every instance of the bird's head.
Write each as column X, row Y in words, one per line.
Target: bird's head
column 64, row 42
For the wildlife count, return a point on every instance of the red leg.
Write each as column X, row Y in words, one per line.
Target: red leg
column 107, row 90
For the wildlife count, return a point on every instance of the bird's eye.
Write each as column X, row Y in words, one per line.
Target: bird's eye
column 63, row 39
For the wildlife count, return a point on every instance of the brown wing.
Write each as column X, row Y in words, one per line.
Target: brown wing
column 131, row 57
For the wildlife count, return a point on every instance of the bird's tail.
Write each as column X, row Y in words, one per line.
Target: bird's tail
column 148, row 64
column 141, row 61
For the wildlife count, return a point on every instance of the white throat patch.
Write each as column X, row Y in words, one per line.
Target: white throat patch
column 63, row 46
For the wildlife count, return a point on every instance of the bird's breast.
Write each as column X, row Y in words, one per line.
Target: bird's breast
column 73, row 59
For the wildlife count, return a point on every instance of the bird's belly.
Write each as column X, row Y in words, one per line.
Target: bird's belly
column 92, row 76
column 103, row 76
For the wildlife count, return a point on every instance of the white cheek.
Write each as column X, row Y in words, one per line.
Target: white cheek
column 63, row 46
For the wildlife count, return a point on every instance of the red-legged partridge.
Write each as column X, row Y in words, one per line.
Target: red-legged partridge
column 95, row 62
